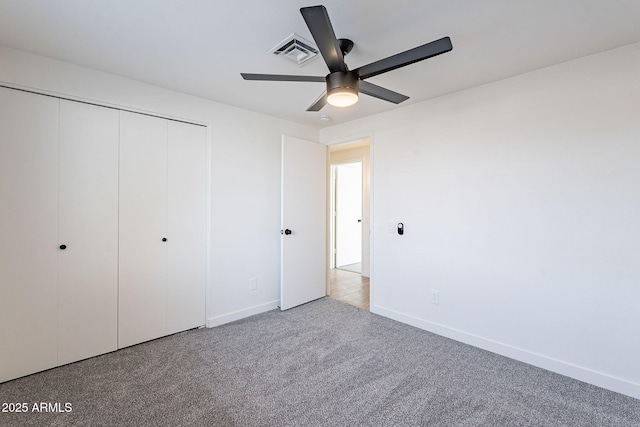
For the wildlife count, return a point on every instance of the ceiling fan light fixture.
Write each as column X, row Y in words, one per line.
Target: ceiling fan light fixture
column 342, row 88
column 342, row 97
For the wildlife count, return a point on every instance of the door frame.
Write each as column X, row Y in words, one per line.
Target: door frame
column 331, row 143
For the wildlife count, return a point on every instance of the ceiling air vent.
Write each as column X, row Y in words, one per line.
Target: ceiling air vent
column 295, row 49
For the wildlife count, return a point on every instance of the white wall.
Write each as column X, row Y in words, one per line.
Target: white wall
column 245, row 172
column 521, row 205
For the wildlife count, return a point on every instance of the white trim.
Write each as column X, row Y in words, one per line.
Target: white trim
column 99, row 103
column 350, row 139
column 208, row 275
column 571, row 370
column 241, row 314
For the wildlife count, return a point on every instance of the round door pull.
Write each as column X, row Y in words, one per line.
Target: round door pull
column 63, row 247
column 164, row 239
column 287, row 231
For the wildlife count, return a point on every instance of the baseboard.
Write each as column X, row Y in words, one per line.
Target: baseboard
column 241, row 314
column 619, row 385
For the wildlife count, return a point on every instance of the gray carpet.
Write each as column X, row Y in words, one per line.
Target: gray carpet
column 322, row 364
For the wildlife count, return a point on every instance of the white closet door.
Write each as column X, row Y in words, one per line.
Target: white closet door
column 186, row 227
column 143, row 218
column 28, row 232
column 88, row 227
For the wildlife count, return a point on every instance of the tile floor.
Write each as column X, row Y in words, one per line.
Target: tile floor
column 350, row 287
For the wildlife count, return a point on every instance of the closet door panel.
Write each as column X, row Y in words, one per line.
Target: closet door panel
column 88, row 267
column 143, row 219
column 186, row 226
column 28, row 232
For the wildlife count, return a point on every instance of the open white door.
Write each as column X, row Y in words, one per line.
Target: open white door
column 303, row 239
column 348, row 208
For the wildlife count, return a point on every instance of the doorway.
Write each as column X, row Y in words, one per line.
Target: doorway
column 349, row 230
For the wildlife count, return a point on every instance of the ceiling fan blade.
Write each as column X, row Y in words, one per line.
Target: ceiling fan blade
column 381, row 93
column 317, row 20
column 408, row 57
column 320, row 102
column 282, row 78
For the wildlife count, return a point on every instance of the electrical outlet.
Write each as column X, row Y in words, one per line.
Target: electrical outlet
column 435, row 297
column 253, row 284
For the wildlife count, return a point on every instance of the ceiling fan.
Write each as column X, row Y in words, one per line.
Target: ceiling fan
column 343, row 85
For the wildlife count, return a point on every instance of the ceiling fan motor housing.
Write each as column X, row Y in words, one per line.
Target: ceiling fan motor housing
column 342, row 88
column 342, row 81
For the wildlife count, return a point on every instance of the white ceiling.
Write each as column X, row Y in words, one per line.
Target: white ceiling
column 201, row 46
